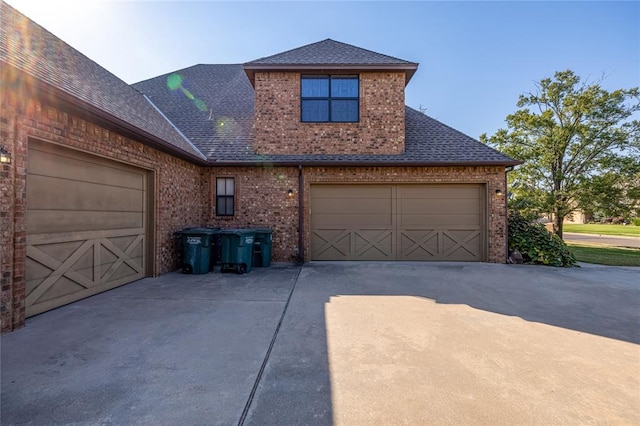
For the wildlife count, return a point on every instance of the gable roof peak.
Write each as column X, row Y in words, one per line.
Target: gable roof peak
column 329, row 51
column 330, row 54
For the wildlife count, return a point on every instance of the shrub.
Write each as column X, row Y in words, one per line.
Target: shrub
column 536, row 244
column 636, row 221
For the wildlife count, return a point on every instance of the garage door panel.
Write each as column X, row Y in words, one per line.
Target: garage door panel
column 53, row 221
column 373, row 244
column 57, row 194
column 442, row 221
column 352, row 244
column 345, row 192
column 431, row 222
column 439, row 206
column 331, row 243
column 62, row 287
column 439, row 191
column 332, row 220
column 363, row 206
column 440, row 245
column 86, row 226
column 48, row 161
column 419, row 245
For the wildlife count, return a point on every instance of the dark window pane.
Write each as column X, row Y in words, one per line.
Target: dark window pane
column 224, row 205
column 315, row 87
column 229, row 206
column 315, row 110
column 220, row 206
column 344, row 87
column 344, row 110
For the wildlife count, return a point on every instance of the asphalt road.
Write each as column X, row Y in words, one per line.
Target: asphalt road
column 633, row 242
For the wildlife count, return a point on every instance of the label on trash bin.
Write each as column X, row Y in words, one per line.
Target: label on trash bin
column 194, row 240
column 248, row 240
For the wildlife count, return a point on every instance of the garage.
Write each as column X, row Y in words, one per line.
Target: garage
column 435, row 222
column 87, row 225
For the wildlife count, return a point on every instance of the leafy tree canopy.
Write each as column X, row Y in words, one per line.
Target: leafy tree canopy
column 573, row 137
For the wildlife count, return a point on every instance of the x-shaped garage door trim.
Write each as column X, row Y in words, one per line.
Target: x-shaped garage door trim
column 63, row 269
column 374, row 242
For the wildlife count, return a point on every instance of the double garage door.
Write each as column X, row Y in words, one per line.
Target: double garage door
column 398, row 222
column 86, row 226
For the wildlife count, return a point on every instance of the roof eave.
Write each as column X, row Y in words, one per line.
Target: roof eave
column 408, row 68
column 334, row 163
column 86, row 110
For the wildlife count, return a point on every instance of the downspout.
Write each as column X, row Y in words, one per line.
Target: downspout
column 300, row 215
column 506, row 211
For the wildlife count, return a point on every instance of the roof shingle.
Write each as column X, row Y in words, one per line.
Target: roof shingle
column 223, row 131
column 329, row 52
column 32, row 49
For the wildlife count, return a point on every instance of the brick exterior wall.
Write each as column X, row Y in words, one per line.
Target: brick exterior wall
column 261, row 199
column 181, row 188
column 278, row 130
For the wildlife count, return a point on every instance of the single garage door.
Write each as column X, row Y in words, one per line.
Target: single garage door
column 398, row 222
column 86, row 225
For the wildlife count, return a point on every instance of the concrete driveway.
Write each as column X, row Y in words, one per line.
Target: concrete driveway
column 337, row 343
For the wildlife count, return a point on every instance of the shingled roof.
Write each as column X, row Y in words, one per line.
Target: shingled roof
column 29, row 48
column 330, row 54
column 213, row 106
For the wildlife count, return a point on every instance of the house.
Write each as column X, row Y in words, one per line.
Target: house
column 315, row 143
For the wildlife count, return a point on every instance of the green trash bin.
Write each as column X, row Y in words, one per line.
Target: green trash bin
column 236, row 250
column 215, row 248
column 262, row 247
column 196, row 249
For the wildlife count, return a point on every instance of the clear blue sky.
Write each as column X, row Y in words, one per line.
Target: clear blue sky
column 475, row 57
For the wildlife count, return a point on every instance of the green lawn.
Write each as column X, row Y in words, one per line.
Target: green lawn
column 605, row 255
column 603, row 229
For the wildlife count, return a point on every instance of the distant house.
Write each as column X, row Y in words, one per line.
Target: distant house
column 315, row 143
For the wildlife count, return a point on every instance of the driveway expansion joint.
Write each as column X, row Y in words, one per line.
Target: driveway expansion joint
column 254, row 389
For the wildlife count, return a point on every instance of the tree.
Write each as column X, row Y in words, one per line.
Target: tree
column 567, row 133
column 613, row 193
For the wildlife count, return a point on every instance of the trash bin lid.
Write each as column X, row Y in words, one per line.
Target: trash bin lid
column 198, row 231
column 239, row 232
column 262, row 230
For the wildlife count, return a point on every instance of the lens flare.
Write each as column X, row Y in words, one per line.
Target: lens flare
column 174, row 81
column 200, row 105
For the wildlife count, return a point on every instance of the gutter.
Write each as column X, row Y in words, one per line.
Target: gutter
column 300, row 214
column 333, row 163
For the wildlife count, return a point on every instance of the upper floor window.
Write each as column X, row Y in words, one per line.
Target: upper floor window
column 327, row 98
column 225, row 196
